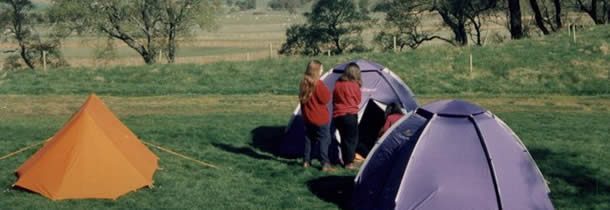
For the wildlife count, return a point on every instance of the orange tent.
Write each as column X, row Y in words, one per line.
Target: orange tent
column 93, row 156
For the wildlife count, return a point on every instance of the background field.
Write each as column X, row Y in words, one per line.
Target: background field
column 250, row 35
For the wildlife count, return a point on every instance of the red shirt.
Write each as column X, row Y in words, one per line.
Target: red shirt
column 389, row 122
column 315, row 110
column 346, row 98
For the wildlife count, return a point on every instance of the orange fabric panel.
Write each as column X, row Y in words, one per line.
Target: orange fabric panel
column 93, row 156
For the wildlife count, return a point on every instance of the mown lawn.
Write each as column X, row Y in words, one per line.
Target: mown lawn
column 566, row 135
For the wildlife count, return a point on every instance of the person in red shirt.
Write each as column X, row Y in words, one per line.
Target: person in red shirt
column 314, row 97
column 393, row 113
column 346, row 104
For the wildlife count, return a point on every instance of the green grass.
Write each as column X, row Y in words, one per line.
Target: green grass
column 552, row 93
column 565, row 135
column 543, row 66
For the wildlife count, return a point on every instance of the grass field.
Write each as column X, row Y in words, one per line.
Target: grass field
column 552, row 93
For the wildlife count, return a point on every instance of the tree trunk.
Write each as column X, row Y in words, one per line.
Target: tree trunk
column 339, row 49
column 24, row 55
column 171, row 44
column 458, row 28
column 558, row 22
column 538, row 17
column 461, row 37
column 593, row 12
column 149, row 58
column 607, row 8
column 516, row 27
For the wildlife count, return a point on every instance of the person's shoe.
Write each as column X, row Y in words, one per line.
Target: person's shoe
column 351, row 166
column 327, row 168
column 358, row 158
column 306, row 165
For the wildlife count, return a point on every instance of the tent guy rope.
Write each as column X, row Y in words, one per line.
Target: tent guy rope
column 147, row 143
column 180, row 155
column 22, row 150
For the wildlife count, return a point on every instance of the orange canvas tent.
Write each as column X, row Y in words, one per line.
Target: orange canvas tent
column 93, row 156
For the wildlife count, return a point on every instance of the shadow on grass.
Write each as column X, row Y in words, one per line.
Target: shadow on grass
column 568, row 180
column 334, row 189
column 268, row 138
column 250, row 152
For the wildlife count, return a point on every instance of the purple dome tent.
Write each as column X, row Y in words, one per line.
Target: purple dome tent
column 450, row 155
column 380, row 86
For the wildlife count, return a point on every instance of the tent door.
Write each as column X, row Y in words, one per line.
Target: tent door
column 371, row 122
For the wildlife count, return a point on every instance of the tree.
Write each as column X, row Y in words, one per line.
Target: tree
column 181, row 16
column 547, row 15
column 403, row 22
column 15, row 20
column 146, row 26
column 515, row 23
column 457, row 14
column 18, row 19
column 302, row 39
column 331, row 24
column 598, row 10
column 289, row 5
column 363, row 5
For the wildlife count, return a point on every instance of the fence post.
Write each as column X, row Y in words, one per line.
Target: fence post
column 574, row 32
column 44, row 60
column 471, row 68
column 160, row 55
column 270, row 50
column 395, row 50
column 328, row 53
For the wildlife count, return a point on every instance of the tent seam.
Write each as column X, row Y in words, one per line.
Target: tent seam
column 121, row 152
column 489, row 161
column 424, row 132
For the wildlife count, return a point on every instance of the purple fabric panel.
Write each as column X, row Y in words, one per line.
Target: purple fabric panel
column 369, row 89
column 373, row 179
column 380, row 90
column 453, row 107
column 413, row 130
column 363, row 64
column 404, row 93
column 519, row 182
column 448, row 169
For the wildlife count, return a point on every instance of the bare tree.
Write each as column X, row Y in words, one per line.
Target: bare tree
column 403, row 22
column 18, row 20
column 547, row 14
column 515, row 23
column 457, row 14
column 538, row 17
column 15, row 20
column 146, row 26
column 182, row 16
column 598, row 10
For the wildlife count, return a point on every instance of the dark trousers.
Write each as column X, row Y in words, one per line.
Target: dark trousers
column 315, row 134
column 348, row 130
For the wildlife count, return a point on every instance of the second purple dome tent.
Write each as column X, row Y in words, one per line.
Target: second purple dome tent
column 450, row 155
